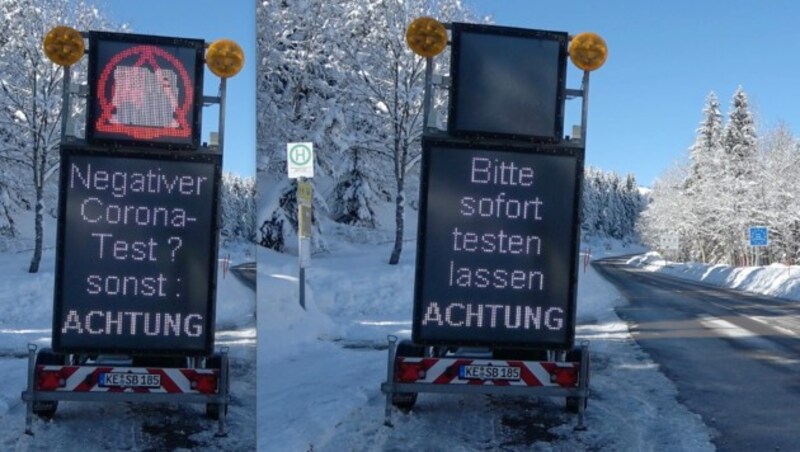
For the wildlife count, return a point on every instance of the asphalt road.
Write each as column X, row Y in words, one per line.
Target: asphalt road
column 734, row 357
column 246, row 273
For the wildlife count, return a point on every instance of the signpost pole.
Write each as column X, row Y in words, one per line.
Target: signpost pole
column 222, row 88
column 65, row 101
column 428, row 96
column 584, row 106
column 300, row 250
column 304, row 224
column 300, row 165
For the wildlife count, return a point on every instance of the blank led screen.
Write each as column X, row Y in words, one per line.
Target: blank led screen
column 144, row 91
column 507, row 82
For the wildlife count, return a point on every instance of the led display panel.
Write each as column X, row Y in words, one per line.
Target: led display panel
column 136, row 252
column 497, row 246
column 144, row 91
column 507, row 83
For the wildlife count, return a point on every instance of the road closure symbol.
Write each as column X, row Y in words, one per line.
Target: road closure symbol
column 300, row 160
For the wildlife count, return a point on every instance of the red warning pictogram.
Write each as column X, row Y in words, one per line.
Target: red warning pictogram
column 144, row 95
column 144, row 90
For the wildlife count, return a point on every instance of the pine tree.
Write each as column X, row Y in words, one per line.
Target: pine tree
column 738, row 172
column 702, row 182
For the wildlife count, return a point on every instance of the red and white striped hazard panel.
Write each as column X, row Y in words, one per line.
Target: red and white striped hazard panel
column 460, row 371
column 126, row 379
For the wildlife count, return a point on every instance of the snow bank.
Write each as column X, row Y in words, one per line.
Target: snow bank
column 776, row 280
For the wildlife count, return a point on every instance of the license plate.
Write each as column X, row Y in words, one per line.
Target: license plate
column 130, row 380
column 489, row 373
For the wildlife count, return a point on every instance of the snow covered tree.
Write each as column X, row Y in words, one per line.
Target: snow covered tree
column 238, row 208
column 30, row 94
column 665, row 215
column 778, row 193
column 388, row 86
column 300, row 98
column 738, row 167
column 7, row 227
column 279, row 230
column 702, row 183
column 610, row 207
column 339, row 74
column 353, row 198
column 733, row 181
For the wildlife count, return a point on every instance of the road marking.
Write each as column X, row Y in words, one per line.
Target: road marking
column 771, row 323
column 724, row 327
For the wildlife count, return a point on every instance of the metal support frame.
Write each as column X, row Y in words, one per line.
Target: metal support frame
column 427, row 102
column 389, row 387
column 223, row 87
column 65, row 100
column 31, row 389
column 584, row 106
column 581, row 391
column 31, row 395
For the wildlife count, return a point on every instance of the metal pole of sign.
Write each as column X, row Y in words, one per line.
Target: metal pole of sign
column 387, row 419
column 224, row 392
column 222, row 88
column 300, row 251
column 428, row 97
column 31, row 388
column 584, row 106
column 303, row 288
column 65, row 101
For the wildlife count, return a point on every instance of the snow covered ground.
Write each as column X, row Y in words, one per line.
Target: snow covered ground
column 26, row 303
column 321, row 369
column 776, row 280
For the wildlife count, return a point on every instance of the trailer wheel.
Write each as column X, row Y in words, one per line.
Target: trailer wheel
column 406, row 400
column 46, row 409
column 213, row 409
column 574, row 404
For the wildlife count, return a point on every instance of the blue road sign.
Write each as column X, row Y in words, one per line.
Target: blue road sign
column 759, row 236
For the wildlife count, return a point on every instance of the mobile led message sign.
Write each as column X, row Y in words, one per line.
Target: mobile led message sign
column 507, row 82
column 136, row 252
column 497, row 247
column 144, row 90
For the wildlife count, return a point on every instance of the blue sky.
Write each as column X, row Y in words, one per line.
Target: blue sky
column 645, row 103
column 209, row 20
column 664, row 58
